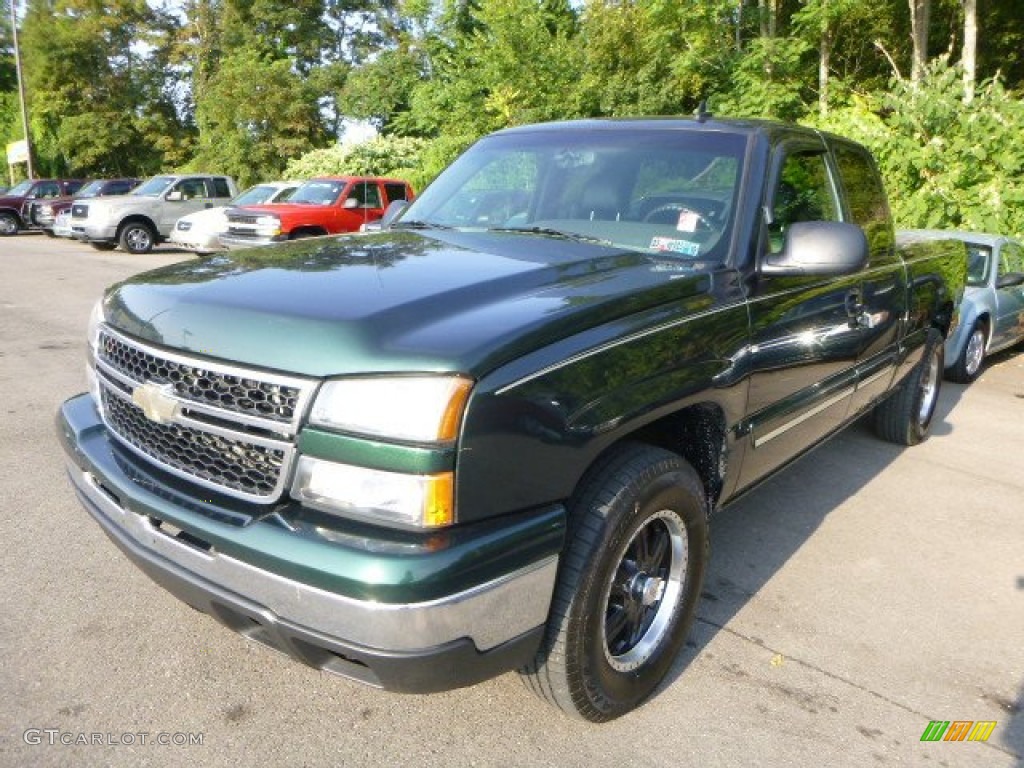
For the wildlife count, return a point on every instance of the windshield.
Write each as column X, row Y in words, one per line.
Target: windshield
column 154, row 187
column 978, row 259
column 664, row 191
column 92, row 189
column 318, row 192
column 262, row 193
column 21, row 188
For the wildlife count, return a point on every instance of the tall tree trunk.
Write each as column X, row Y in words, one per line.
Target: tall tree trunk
column 920, row 10
column 824, row 58
column 970, row 48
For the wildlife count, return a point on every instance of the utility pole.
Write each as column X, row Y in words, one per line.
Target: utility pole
column 21, row 89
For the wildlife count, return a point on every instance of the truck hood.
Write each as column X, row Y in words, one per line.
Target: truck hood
column 394, row 301
column 283, row 209
column 116, row 202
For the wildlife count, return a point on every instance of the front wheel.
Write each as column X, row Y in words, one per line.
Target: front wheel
column 905, row 417
column 968, row 362
column 628, row 584
column 9, row 224
column 137, row 238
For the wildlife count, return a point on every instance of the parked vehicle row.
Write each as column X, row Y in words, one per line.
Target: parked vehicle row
column 199, row 212
column 14, row 203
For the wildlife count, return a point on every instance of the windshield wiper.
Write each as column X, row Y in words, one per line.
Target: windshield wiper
column 552, row 232
column 418, row 224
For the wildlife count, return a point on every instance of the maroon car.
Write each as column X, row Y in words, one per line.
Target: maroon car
column 42, row 214
column 15, row 202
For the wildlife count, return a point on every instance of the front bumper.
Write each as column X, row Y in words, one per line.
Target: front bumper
column 197, row 242
column 445, row 641
column 92, row 234
column 234, row 241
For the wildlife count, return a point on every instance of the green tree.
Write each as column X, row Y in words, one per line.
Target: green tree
column 96, row 91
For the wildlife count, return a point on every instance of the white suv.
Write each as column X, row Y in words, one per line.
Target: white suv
column 146, row 217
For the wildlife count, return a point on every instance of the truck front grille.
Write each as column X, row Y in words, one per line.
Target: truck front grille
column 80, row 211
column 231, row 464
column 241, row 218
column 231, row 429
column 201, row 384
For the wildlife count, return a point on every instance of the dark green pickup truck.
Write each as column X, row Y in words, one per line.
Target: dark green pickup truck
column 490, row 436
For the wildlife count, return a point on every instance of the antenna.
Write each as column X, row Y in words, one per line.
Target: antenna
column 702, row 113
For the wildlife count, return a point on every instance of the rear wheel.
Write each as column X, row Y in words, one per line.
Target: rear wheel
column 9, row 224
column 905, row 417
column 137, row 237
column 628, row 584
column 968, row 362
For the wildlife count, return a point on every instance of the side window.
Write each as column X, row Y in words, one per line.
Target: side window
column 865, row 196
column 978, row 259
column 73, row 187
column 1011, row 258
column 804, row 192
column 191, row 189
column 46, row 189
column 396, row 192
column 367, row 193
column 220, row 187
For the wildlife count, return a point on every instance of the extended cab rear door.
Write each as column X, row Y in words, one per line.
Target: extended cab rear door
column 880, row 306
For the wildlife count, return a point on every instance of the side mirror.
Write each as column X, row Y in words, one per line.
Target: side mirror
column 1010, row 280
column 392, row 212
column 819, row 248
column 175, row 196
column 350, row 203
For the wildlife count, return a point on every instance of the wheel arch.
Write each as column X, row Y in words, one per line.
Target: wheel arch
column 138, row 218
column 697, row 433
column 307, row 231
column 14, row 212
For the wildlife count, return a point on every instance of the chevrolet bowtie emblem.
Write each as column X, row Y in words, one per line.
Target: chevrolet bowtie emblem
column 156, row 402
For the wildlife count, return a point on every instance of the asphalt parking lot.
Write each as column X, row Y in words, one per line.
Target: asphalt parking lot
column 862, row 593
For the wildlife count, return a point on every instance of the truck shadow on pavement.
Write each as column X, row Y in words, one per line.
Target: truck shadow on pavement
column 753, row 538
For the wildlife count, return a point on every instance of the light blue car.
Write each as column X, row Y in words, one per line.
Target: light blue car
column 992, row 311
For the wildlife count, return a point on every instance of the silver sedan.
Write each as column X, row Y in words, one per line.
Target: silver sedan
column 992, row 312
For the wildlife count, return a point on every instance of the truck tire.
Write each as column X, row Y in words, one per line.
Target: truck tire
column 969, row 361
column 137, row 237
column 9, row 224
column 102, row 246
column 628, row 584
column 905, row 417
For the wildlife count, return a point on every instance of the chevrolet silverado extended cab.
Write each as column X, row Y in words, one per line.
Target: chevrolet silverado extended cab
column 330, row 205
column 490, row 436
column 144, row 218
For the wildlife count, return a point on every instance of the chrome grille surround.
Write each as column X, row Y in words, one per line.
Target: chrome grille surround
column 256, row 399
column 242, row 218
column 233, row 450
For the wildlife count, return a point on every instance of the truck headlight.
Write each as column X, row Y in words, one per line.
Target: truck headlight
column 420, row 501
column 268, row 226
column 425, row 409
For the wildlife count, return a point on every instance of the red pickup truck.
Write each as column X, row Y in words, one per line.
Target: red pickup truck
column 328, row 205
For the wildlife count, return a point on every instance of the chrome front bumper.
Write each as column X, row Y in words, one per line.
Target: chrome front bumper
column 453, row 640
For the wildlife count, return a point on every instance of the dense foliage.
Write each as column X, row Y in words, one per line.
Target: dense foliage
column 260, row 88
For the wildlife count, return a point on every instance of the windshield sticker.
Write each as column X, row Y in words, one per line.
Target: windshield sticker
column 685, row 247
column 688, row 220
